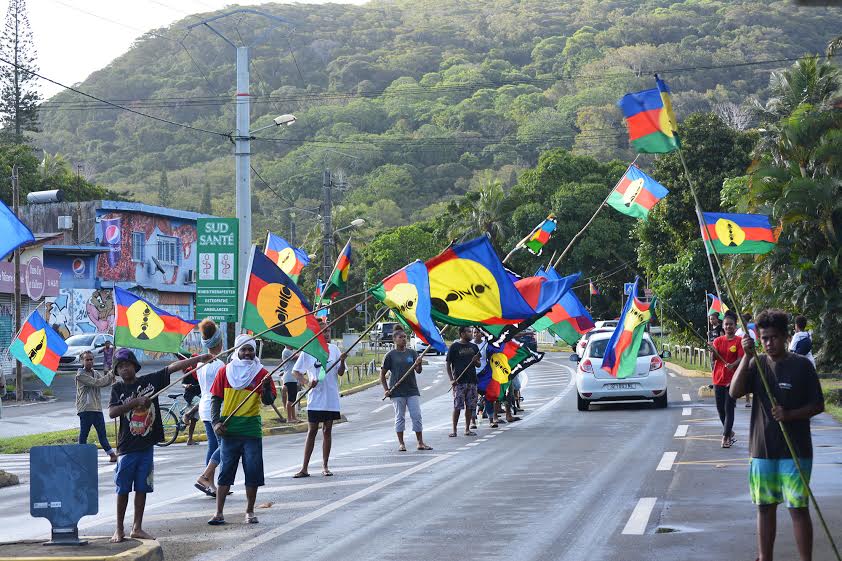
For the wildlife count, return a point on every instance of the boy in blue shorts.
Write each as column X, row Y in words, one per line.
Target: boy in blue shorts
column 773, row 476
column 140, row 428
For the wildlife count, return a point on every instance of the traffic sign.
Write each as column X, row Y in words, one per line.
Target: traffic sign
column 216, row 269
column 627, row 288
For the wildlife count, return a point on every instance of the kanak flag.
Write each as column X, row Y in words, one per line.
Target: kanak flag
column 38, row 347
column 142, row 325
column 621, row 352
column 636, row 193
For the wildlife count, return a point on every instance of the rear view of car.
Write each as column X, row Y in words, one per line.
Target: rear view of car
column 593, row 384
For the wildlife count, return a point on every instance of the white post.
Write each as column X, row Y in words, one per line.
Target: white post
column 242, row 156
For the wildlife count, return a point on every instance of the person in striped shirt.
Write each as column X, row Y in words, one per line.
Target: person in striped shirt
column 239, row 427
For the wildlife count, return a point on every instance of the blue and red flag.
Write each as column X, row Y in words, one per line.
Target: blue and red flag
column 541, row 235
column 339, row 277
column 651, row 121
column 569, row 319
column 407, row 293
column 288, row 258
column 738, row 233
column 621, row 352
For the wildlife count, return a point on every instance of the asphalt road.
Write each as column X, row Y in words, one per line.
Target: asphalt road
column 620, row 482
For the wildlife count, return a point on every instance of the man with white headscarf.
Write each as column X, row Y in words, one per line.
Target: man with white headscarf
column 240, row 381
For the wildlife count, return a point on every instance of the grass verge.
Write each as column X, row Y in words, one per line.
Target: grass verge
column 831, row 405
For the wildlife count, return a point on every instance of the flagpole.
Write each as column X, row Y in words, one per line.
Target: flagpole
column 585, row 227
column 761, row 367
column 519, row 244
column 354, row 344
column 701, row 221
column 550, row 264
column 293, row 355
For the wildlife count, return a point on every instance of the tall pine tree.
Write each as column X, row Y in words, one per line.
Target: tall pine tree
column 164, row 195
column 18, row 94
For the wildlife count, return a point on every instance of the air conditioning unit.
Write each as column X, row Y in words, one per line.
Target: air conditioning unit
column 65, row 222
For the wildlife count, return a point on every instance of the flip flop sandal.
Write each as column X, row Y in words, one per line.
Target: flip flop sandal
column 470, row 433
column 216, row 521
column 327, row 473
column 300, row 474
column 402, row 448
column 726, row 444
column 204, row 489
column 494, row 425
column 251, row 519
column 425, row 447
column 452, row 435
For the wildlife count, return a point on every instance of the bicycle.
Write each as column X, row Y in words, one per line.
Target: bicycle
column 171, row 418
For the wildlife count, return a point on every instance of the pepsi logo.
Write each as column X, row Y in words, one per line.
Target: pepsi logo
column 78, row 266
column 112, row 234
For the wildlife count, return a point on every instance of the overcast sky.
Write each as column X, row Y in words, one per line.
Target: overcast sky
column 76, row 37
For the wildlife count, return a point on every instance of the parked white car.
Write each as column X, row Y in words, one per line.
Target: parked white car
column 77, row 344
column 593, row 384
column 583, row 341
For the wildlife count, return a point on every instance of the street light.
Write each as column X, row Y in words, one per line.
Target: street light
column 284, row 120
column 355, row 223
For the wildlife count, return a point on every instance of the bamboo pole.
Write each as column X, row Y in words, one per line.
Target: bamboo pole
column 354, row 344
column 456, row 380
column 407, row 373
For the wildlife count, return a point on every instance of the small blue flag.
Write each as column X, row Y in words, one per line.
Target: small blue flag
column 13, row 232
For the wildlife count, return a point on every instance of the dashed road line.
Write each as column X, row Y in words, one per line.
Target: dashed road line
column 666, row 461
column 382, row 407
column 671, row 374
column 639, row 518
column 426, row 388
column 685, row 396
column 681, row 431
column 685, row 411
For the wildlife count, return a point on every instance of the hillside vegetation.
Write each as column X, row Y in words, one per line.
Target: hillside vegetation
column 412, row 102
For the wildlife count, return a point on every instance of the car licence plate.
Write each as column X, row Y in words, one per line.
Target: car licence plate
column 620, row 386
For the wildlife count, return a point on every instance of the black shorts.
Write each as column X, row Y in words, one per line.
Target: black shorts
column 322, row 416
column 292, row 390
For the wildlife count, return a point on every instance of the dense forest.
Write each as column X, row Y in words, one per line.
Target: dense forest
column 441, row 119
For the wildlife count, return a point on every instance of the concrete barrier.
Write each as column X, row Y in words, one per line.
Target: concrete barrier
column 98, row 548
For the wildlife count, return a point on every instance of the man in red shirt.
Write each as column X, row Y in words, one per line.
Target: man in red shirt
column 730, row 349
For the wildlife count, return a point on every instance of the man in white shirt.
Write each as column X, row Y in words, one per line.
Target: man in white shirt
column 322, row 402
column 206, row 374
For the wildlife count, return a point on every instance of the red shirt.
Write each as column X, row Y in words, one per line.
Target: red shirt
column 731, row 350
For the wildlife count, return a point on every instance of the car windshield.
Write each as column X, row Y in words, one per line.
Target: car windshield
column 597, row 348
column 80, row 341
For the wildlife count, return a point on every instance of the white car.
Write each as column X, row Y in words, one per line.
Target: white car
column 419, row 346
column 593, row 384
column 77, row 344
column 583, row 341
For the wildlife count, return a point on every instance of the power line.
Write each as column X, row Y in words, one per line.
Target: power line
column 147, row 115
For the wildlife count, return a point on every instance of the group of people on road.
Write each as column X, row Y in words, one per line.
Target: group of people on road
column 778, row 473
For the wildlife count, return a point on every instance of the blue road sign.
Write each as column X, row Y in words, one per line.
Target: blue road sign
column 627, row 288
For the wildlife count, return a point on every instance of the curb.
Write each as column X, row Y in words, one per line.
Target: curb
column 687, row 373
column 291, row 429
column 14, row 404
column 146, row 550
column 357, row 389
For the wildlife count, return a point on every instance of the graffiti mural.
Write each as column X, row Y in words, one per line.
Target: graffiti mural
column 81, row 310
column 153, row 251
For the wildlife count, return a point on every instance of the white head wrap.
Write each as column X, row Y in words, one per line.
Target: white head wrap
column 241, row 372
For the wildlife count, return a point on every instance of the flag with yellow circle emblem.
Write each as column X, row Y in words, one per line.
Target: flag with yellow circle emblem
column 738, row 233
column 38, row 347
column 142, row 325
column 275, row 303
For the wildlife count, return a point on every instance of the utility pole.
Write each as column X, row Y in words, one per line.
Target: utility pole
column 242, row 137
column 16, row 208
column 327, row 226
column 292, row 229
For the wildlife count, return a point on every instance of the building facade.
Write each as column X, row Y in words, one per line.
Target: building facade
column 147, row 250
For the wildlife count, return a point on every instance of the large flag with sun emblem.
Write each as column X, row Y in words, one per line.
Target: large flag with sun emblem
column 470, row 286
column 273, row 299
column 636, row 193
column 290, row 259
column 738, row 233
column 651, row 121
column 38, row 347
column 407, row 293
column 141, row 325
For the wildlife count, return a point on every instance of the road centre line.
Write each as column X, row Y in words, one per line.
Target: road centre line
column 426, row 388
column 681, row 431
column 639, row 518
column 671, row 374
column 685, row 411
column 666, row 461
column 362, row 468
column 248, row 545
column 382, row 407
column 320, row 485
column 685, row 396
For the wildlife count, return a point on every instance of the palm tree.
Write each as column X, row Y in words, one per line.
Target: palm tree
column 482, row 212
column 810, row 80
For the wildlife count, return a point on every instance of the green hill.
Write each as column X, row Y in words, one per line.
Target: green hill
column 412, row 100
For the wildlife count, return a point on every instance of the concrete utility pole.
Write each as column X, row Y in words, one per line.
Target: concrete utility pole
column 16, row 208
column 242, row 136
column 327, row 226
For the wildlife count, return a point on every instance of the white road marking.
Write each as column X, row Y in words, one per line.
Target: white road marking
column 681, row 431
column 685, row 396
column 319, row 485
column 473, row 444
column 492, row 435
column 672, row 375
column 425, row 389
column 685, row 411
column 463, row 448
column 666, row 461
column 238, row 551
column 382, row 407
column 640, row 516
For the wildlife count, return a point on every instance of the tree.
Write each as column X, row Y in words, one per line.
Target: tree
column 483, row 212
column 164, row 194
column 206, row 207
column 810, row 80
column 18, row 96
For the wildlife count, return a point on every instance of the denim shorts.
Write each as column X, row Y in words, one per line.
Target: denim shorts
column 250, row 449
column 134, row 472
